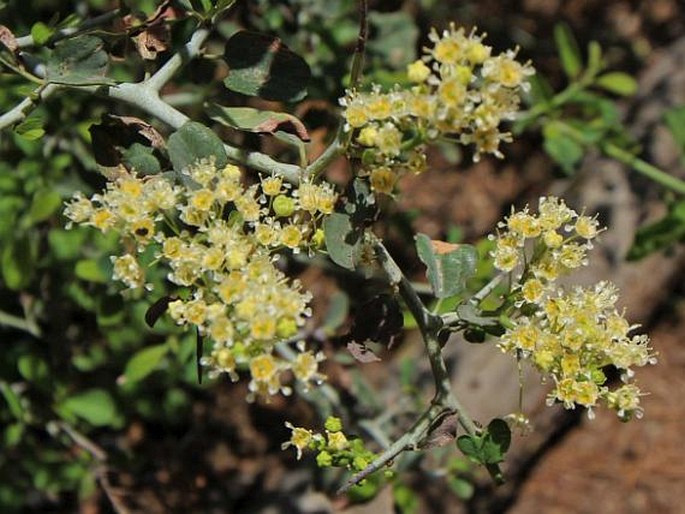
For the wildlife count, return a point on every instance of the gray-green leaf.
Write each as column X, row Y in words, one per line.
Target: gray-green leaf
column 343, row 240
column 192, row 142
column 261, row 65
column 78, row 61
column 256, row 120
column 448, row 266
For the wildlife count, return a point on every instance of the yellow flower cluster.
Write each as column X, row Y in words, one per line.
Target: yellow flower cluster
column 334, row 448
column 460, row 90
column 569, row 336
column 219, row 241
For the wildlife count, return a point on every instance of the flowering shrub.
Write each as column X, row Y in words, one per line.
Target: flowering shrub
column 204, row 233
column 570, row 336
column 219, row 241
column 461, row 91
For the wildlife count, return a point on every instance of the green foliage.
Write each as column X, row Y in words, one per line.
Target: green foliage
column 661, row 234
column 78, row 61
column 448, row 266
column 617, row 82
column 344, row 230
column 675, row 121
column 394, row 40
column 489, row 447
column 96, row 406
column 406, row 500
column 569, row 53
column 256, row 120
column 141, row 158
column 193, row 142
column 562, row 148
column 263, row 66
column 78, row 358
column 144, row 362
column 41, row 33
column 343, row 240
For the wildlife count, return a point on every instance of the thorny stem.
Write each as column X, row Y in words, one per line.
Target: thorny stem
column 444, row 402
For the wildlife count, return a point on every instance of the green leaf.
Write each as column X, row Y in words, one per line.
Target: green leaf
column 594, row 60
column 18, row 258
column 192, row 142
column 66, row 245
column 44, row 204
column 540, row 89
column 140, row 158
column 496, row 441
column 470, row 446
column 12, row 399
column 461, row 487
column 93, row 270
column 448, row 266
column 617, row 82
column 343, row 240
column 32, row 127
column 489, row 447
column 675, row 121
column 33, row 368
column 261, row 65
column 567, row 46
column 406, row 499
column 256, row 120
column 40, row 33
column 78, row 61
column 96, row 406
column 560, row 147
column 338, row 309
column 661, row 234
column 13, row 434
column 395, row 38
column 144, row 362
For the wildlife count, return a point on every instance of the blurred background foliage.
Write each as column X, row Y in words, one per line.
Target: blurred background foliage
column 86, row 386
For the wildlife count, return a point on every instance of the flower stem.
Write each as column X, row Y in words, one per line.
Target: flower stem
column 652, row 172
column 444, row 402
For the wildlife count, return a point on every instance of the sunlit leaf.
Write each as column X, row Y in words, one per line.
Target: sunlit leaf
column 96, row 406
column 144, row 362
column 448, row 266
column 617, row 82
